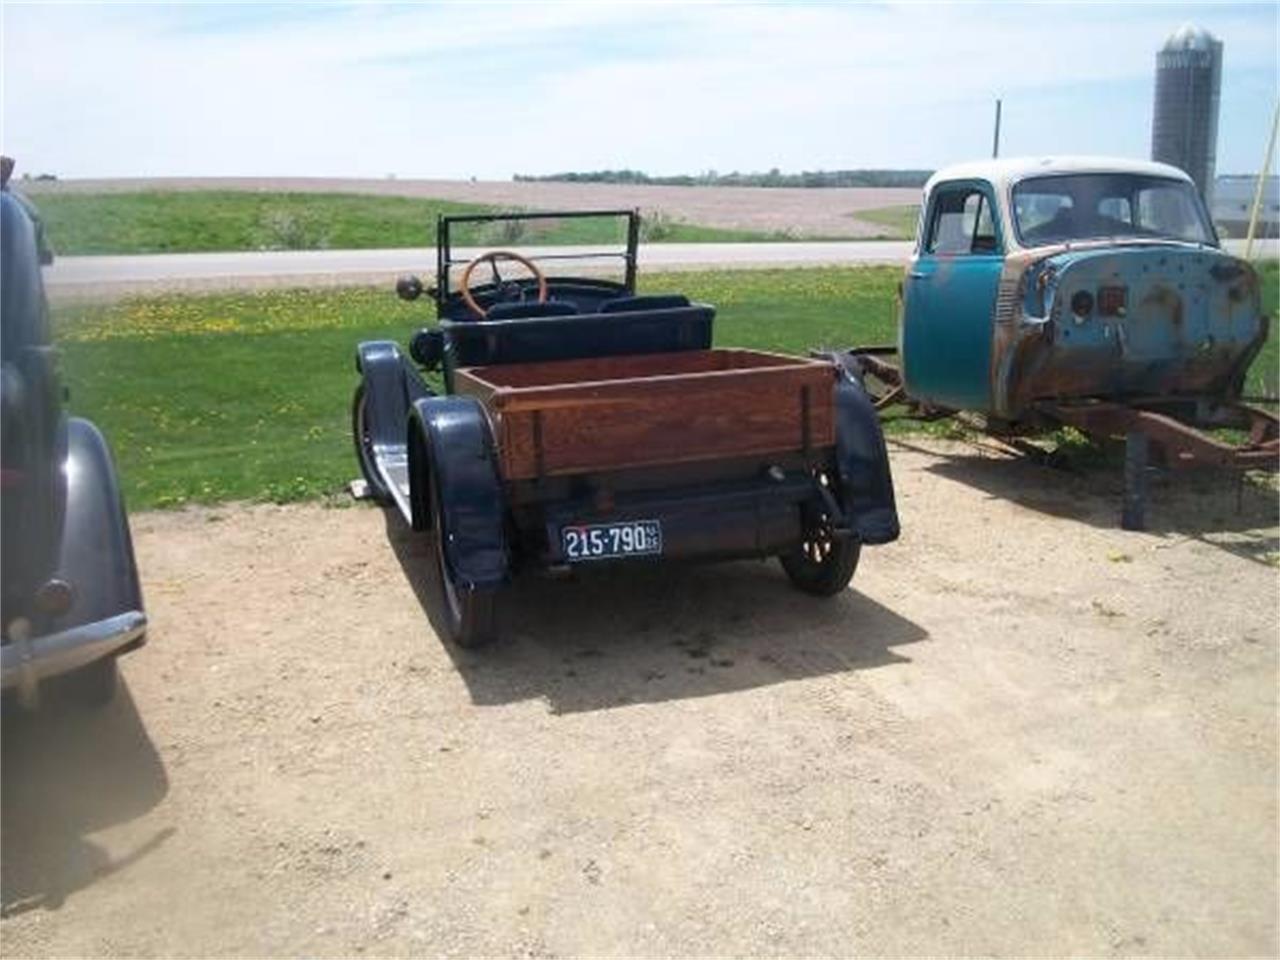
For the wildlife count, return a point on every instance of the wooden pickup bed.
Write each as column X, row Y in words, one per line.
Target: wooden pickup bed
column 610, row 413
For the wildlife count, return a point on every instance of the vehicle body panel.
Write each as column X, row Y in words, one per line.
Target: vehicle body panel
column 609, row 412
column 949, row 304
column 94, row 555
column 997, row 334
column 729, row 519
column 96, row 549
column 1182, row 322
column 391, row 386
column 863, row 463
column 70, row 592
column 949, row 300
column 450, row 442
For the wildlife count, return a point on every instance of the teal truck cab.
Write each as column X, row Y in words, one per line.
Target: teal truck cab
column 1086, row 291
column 1070, row 278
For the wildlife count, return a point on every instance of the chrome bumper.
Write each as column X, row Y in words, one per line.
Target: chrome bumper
column 24, row 663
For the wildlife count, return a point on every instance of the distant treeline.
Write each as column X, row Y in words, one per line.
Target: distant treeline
column 774, row 178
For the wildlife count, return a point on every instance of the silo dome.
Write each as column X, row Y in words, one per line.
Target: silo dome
column 1190, row 37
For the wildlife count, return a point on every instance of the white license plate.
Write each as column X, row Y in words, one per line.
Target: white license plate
column 603, row 541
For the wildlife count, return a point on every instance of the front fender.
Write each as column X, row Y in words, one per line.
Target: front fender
column 451, row 455
column 391, row 384
column 863, row 462
column 96, row 551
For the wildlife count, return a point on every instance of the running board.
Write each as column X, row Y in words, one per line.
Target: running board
column 392, row 461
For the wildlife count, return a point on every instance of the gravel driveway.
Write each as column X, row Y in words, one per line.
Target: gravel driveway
column 1023, row 732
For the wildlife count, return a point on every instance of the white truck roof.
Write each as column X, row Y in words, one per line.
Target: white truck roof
column 1003, row 173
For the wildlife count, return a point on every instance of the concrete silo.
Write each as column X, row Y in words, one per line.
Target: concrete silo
column 1184, row 129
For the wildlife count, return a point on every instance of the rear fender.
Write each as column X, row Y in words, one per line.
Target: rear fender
column 96, row 551
column 450, row 443
column 863, row 463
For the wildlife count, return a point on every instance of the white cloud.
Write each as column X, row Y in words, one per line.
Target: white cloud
column 488, row 90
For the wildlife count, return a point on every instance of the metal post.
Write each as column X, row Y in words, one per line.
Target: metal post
column 442, row 263
column 633, row 240
column 1133, row 516
column 995, row 141
column 1262, row 180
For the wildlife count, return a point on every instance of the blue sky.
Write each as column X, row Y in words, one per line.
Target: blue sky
column 488, row 90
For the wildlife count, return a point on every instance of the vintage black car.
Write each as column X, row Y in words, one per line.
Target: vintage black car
column 583, row 423
column 69, row 596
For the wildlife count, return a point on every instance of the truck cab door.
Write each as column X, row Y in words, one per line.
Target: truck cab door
column 949, row 299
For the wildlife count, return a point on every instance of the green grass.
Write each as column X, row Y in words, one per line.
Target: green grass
column 246, row 396
column 1263, row 378
column 900, row 222
column 212, row 220
column 189, row 222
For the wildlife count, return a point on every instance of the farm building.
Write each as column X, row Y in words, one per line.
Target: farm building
column 1233, row 200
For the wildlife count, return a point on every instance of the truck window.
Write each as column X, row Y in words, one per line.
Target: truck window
column 1063, row 208
column 1170, row 211
column 961, row 223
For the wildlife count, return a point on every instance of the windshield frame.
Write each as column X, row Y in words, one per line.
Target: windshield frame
column 624, row 250
column 1198, row 204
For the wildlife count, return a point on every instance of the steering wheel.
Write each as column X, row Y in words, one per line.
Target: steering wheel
column 505, row 289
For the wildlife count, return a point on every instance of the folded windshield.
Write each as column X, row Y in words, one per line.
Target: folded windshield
column 1091, row 206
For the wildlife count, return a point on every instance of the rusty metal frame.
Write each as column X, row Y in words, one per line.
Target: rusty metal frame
column 1183, row 444
column 1146, row 424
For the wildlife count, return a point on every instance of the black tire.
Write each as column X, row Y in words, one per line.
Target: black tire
column 467, row 615
column 92, row 686
column 363, row 440
column 823, row 564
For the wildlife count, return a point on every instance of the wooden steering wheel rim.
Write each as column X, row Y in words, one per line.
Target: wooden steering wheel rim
column 494, row 255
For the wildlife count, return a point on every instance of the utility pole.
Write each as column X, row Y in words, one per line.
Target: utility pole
column 995, row 140
column 1262, row 183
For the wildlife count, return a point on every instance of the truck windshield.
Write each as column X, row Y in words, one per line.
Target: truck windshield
column 1092, row 206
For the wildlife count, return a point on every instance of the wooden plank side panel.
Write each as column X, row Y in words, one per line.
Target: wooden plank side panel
column 693, row 417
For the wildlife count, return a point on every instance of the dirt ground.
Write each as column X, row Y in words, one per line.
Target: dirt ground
column 1023, row 732
column 827, row 212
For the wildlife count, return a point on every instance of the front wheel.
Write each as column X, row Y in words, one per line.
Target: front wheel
column 468, row 613
column 824, row 562
column 362, row 434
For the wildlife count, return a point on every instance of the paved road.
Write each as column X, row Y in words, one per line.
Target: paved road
column 78, row 277
column 107, row 276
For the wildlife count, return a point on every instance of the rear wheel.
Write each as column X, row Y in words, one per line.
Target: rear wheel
column 468, row 613
column 362, row 435
column 823, row 563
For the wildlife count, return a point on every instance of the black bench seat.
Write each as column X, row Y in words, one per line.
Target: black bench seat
column 477, row 343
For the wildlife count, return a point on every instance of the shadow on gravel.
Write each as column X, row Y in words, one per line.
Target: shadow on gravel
column 68, row 772
column 1216, row 507
column 612, row 636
